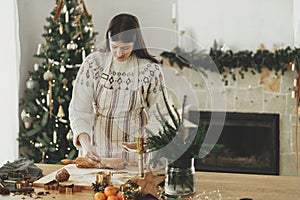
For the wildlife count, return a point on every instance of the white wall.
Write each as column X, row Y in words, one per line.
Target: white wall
column 9, row 56
column 296, row 23
column 238, row 24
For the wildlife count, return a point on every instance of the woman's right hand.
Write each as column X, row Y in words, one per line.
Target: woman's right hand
column 91, row 155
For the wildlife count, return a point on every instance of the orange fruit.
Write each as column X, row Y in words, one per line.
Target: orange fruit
column 99, row 196
column 110, row 191
column 112, row 197
column 121, row 196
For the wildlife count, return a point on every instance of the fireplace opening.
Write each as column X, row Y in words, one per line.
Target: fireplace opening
column 249, row 143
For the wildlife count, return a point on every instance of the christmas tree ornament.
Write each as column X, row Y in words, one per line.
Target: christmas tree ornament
column 91, row 32
column 69, row 66
column 54, row 137
column 38, row 52
column 89, row 28
column 74, row 23
column 60, row 112
column 38, row 145
column 50, row 99
column 83, row 53
column 36, row 67
column 59, row 10
column 46, row 47
column 78, row 26
column 48, row 76
column 67, row 17
column 86, row 29
column 55, row 63
column 65, row 81
column 31, row 84
column 23, row 114
column 50, row 31
column 37, row 102
column 69, row 136
column 72, row 45
column 72, row 9
column 61, row 28
column 64, row 10
column 90, row 24
column 27, row 121
column 62, row 69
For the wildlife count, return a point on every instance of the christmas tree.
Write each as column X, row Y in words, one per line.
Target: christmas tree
column 45, row 134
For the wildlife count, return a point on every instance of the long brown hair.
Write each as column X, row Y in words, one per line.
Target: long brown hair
column 126, row 28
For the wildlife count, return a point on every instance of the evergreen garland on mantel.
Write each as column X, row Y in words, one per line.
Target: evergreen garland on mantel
column 278, row 60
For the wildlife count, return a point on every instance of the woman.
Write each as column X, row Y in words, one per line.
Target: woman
column 113, row 91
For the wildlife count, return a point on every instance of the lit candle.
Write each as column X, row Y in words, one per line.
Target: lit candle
column 295, row 82
column 293, row 66
column 140, row 151
column 293, row 94
column 174, row 11
column 64, row 9
column 39, row 49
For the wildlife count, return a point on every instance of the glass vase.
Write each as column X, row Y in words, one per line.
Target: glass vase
column 180, row 178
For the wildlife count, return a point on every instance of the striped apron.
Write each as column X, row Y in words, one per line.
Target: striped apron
column 119, row 115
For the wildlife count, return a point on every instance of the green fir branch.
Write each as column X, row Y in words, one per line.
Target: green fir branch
column 243, row 60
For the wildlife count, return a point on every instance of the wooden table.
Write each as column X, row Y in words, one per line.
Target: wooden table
column 223, row 186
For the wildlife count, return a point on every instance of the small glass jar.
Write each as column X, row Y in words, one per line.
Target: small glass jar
column 180, row 180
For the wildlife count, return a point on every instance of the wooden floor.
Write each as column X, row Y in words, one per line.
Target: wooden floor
column 209, row 185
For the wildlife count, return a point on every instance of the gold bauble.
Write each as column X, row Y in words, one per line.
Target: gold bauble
column 27, row 125
column 27, row 121
column 72, row 45
column 61, row 112
column 48, row 76
column 69, row 136
column 31, row 84
column 61, row 29
column 65, row 81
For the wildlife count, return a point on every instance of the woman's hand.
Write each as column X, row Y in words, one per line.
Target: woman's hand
column 91, row 155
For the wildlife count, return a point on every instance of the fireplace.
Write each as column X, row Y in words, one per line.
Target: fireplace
column 249, row 143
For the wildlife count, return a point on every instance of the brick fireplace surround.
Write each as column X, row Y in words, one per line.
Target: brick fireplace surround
column 260, row 93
